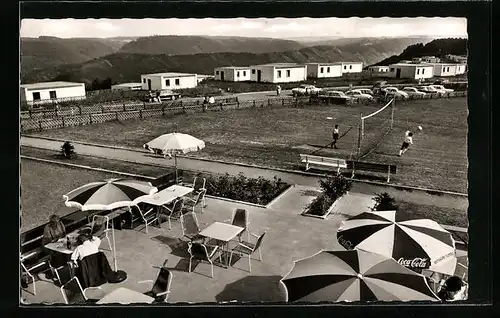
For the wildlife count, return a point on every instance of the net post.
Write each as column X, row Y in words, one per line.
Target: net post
column 392, row 111
column 360, row 132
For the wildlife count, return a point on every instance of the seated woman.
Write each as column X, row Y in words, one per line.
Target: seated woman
column 453, row 289
column 87, row 245
column 53, row 231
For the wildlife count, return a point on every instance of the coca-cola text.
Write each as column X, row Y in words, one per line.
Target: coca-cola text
column 415, row 263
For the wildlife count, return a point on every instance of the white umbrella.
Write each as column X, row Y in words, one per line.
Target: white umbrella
column 173, row 144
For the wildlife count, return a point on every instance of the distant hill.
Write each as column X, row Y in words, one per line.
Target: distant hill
column 124, row 67
column 395, row 44
column 183, row 45
column 438, row 48
column 45, row 51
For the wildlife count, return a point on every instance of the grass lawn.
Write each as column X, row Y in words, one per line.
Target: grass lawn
column 448, row 216
column 275, row 137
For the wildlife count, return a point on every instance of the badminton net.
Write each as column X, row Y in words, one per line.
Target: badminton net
column 374, row 128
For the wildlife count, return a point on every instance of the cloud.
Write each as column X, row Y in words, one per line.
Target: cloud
column 294, row 26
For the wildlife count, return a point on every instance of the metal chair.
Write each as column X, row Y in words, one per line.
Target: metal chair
column 190, row 203
column 190, row 226
column 240, row 218
column 38, row 265
column 175, row 212
column 202, row 253
column 161, row 286
column 247, row 248
column 100, row 228
column 199, row 185
column 148, row 217
column 74, row 294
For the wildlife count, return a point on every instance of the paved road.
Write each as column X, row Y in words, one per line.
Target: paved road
column 140, row 156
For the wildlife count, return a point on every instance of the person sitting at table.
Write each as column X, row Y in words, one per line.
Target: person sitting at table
column 87, row 245
column 53, row 231
column 454, row 289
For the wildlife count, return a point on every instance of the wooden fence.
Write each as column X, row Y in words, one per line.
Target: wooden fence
column 119, row 112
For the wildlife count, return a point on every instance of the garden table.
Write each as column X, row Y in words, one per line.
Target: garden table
column 166, row 196
column 125, row 296
column 222, row 233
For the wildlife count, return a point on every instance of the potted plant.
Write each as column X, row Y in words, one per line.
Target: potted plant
column 384, row 202
column 68, row 150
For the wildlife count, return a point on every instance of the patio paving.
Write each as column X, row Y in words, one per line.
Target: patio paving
column 288, row 238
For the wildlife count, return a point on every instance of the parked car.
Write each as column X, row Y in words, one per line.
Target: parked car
column 336, row 97
column 337, row 94
column 305, row 90
column 152, row 96
column 413, row 91
column 441, row 81
column 393, row 91
column 366, row 91
column 442, row 88
column 430, row 90
column 356, row 93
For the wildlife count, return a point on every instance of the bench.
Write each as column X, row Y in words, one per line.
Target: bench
column 459, row 234
column 371, row 167
column 322, row 162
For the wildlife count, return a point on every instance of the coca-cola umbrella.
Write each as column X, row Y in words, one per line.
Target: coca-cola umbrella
column 174, row 144
column 354, row 275
column 108, row 195
column 417, row 244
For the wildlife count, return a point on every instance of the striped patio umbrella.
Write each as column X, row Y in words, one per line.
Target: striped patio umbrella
column 109, row 194
column 174, row 144
column 416, row 244
column 354, row 276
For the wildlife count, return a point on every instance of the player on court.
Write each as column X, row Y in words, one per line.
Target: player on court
column 406, row 143
column 335, row 136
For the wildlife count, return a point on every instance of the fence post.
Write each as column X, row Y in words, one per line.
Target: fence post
column 116, row 113
column 237, row 102
column 124, row 108
column 143, row 105
column 268, row 103
column 90, row 116
column 102, row 109
column 64, row 125
column 183, row 108
column 163, row 110
column 254, row 103
column 282, row 102
column 140, row 113
column 29, row 112
column 221, row 106
column 80, row 109
column 40, row 125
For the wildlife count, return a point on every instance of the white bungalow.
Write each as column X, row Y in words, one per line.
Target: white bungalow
column 324, row 70
column 444, row 69
column 50, row 92
column 127, row 86
column 161, row 81
column 232, row 73
column 412, row 71
column 352, row 67
column 278, row 73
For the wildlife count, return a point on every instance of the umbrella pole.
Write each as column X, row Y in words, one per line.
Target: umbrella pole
column 175, row 163
column 114, row 245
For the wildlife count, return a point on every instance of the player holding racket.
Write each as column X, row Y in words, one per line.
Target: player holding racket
column 335, row 135
column 408, row 140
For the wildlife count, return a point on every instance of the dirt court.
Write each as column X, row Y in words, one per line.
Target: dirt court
column 276, row 136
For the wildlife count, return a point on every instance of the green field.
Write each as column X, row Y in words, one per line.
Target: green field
column 275, row 137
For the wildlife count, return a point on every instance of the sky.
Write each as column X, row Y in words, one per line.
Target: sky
column 274, row 28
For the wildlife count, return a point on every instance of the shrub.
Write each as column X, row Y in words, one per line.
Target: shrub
column 68, row 150
column 241, row 188
column 320, row 205
column 384, row 202
column 335, row 186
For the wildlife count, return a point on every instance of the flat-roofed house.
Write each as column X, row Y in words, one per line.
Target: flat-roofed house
column 352, row 67
column 324, row 70
column 170, row 80
column 50, row 92
column 444, row 69
column 379, row 71
column 232, row 73
column 127, row 86
column 461, row 68
column 278, row 73
column 411, row 70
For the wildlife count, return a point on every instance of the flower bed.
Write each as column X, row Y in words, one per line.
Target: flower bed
column 253, row 190
column 333, row 188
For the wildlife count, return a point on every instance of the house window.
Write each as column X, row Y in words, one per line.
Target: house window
column 216, row 72
column 350, row 67
column 423, row 70
column 287, row 73
column 238, row 74
column 448, row 69
column 36, row 96
column 244, row 73
column 177, row 82
column 167, row 82
column 345, row 67
column 253, row 71
column 321, row 70
column 328, row 69
column 279, row 74
column 52, row 94
column 418, row 71
column 392, row 69
column 144, row 80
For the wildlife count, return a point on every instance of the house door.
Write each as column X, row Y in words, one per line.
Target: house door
column 259, row 75
column 222, row 75
column 398, row 73
column 149, row 84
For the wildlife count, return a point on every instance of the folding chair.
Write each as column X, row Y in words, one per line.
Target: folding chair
column 190, row 204
column 240, row 218
column 100, row 228
column 202, row 253
column 190, row 226
column 74, row 294
column 161, row 286
column 198, row 186
column 247, row 248
column 148, row 217
column 38, row 265
column 175, row 212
